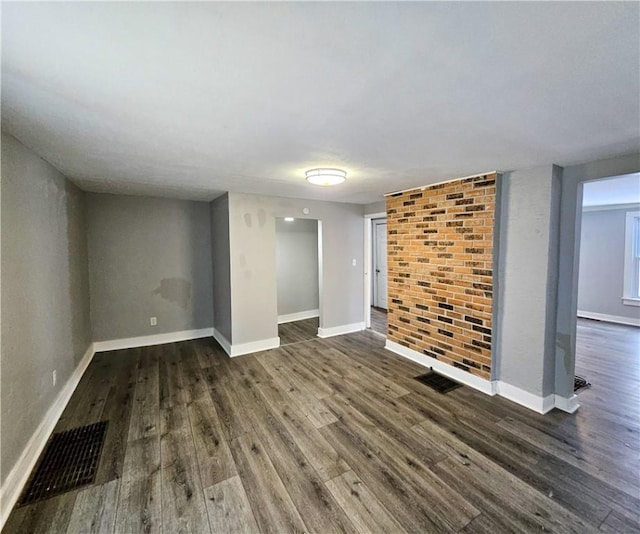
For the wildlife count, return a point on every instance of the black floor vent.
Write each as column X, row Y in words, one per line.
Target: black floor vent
column 69, row 460
column 440, row 383
column 580, row 383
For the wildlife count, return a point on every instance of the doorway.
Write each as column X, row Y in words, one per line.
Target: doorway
column 379, row 290
column 298, row 279
column 377, row 308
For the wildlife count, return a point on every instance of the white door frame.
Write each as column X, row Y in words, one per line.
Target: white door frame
column 368, row 261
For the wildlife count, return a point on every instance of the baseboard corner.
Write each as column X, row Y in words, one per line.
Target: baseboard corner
column 340, row 330
column 19, row 474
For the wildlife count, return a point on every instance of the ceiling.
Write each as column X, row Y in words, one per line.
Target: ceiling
column 192, row 99
column 612, row 191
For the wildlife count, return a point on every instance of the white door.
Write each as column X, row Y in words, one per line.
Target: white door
column 380, row 264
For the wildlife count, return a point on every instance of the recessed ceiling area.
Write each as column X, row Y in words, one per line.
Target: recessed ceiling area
column 612, row 191
column 192, row 99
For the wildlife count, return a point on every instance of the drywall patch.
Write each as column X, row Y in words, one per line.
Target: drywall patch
column 176, row 290
column 262, row 217
column 247, row 220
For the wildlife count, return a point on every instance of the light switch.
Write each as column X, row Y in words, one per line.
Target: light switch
column 353, row 262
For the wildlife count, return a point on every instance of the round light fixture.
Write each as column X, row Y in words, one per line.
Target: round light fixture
column 326, row 177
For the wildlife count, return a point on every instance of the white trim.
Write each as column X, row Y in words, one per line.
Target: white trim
column 320, row 272
column 631, row 321
column 379, row 215
column 631, row 302
column 524, row 398
column 605, row 207
column 534, row 402
column 569, row 405
column 339, row 330
column 367, row 263
column 19, row 474
column 146, row 341
column 254, row 346
column 423, row 187
column 240, row 349
column 630, row 288
column 299, row 316
column 481, row 384
column 224, row 342
column 375, row 228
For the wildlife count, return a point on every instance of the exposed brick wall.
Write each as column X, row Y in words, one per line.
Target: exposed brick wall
column 440, row 261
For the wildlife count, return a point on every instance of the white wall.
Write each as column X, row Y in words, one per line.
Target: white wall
column 297, row 266
column 252, row 225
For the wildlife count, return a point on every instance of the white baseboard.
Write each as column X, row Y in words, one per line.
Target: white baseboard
column 532, row 401
column 481, row 384
column 630, row 321
column 147, row 341
column 342, row 329
column 290, row 317
column 224, row 342
column 239, row 349
column 19, row 474
column 568, row 405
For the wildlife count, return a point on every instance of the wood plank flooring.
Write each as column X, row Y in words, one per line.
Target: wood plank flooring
column 335, row 435
column 379, row 320
column 296, row 331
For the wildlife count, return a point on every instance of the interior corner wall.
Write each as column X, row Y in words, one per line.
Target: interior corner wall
column 440, row 271
column 253, row 263
column 221, row 266
column 45, row 292
column 148, row 257
column 297, row 266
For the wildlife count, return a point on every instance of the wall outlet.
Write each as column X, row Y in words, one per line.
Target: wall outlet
column 153, row 321
column 54, row 378
column 353, row 262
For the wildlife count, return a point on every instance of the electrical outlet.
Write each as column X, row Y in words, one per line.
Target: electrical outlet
column 54, row 378
column 153, row 321
column 353, row 262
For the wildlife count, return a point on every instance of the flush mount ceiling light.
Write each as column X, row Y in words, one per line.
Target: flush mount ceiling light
column 289, row 219
column 326, row 177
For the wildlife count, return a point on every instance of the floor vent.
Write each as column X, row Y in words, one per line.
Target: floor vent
column 440, row 383
column 580, row 383
column 70, row 460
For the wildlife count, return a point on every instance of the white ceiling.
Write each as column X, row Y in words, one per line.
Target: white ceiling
column 616, row 190
column 191, row 99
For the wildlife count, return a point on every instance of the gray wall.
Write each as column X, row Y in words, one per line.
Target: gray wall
column 148, row 257
column 527, row 273
column 253, row 262
column 221, row 266
column 45, row 292
column 601, row 278
column 376, row 207
column 297, row 265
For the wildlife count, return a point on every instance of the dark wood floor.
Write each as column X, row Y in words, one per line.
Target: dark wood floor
column 379, row 320
column 334, row 435
column 296, row 331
